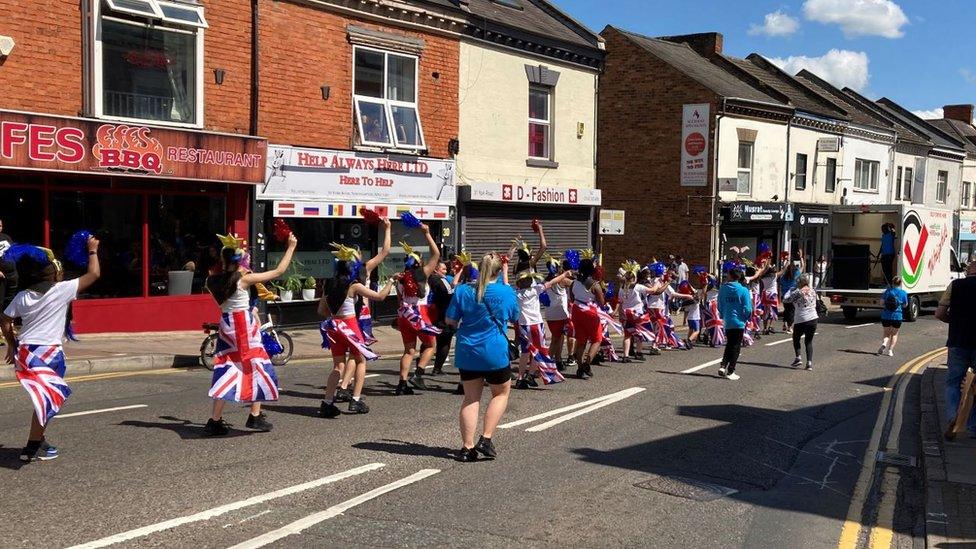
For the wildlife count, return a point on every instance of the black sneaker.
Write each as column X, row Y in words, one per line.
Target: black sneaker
column 626, row 360
column 329, row 410
column 403, row 389
column 43, row 452
column 358, row 406
column 216, row 428
column 572, row 362
column 560, row 367
column 343, row 395
column 259, row 423
column 532, row 381
column 437, row 371
column 654, row 351
column 486, row 448
column 597, row 360
column 640, row 357
column 418, row 382
column 583, row 371
column 521, row 384
column 467, row 455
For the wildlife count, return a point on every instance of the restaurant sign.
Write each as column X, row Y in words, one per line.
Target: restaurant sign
column 55, row 143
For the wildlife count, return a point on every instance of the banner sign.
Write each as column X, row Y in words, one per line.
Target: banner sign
column 694, row 145
column 333, row 210
column 532, row 194
column 348, row 176
column 759, row 212
column 612, row 222
column 81, row 145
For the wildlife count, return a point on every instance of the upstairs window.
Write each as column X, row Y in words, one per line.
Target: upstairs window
column 801, row 172
column 148, row 61
column 385, row 97
column 942, row 187
column 906, row 189
column 898, row 184
column 831, row 175
column 540, row 122
column 866, row 175
column 967, row 190
column 744, row 185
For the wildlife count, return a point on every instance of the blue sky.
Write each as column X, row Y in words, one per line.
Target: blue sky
column 919, row 53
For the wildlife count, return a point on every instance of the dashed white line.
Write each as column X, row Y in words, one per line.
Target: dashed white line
column 367, row 376
column 702, row 366
column 223, row 509
column 605, row 402
column 557, row 411
column 860, row 325
column 332, row 512
column 779, row 342
column 102, row 411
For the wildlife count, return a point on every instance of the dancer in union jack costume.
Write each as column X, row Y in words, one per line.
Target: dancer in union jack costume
column 692, row 309
column 657, row 301
column 413, row 318
column 636, row 320
column 242, row 369
column 769, row 285
column 341, row 332
column 556, row 303
column 532, row 332
column 711, row 319
column 588, row 298
column 37, row 357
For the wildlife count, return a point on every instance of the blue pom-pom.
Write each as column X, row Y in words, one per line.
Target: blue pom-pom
column 729, row 266
column 19, row 252
column 698, row 269
column 76, row 251
column 611, row 291
column 657, row 269
column 473, row 274
column 409, row 220
column 573, row 258
column 544, row 299
column 763, row 247
column 270, row 344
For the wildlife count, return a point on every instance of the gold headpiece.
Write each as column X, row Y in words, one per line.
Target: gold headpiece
column 233, row 242
column 408, row 249
column 529, row 273
column 464, row 258
column 587, row 254
column 344, row 253
column 549, row 260
column 521, row 245
column 630, row 266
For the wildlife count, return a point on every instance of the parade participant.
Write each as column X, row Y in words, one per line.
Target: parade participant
column 413, row 317
column 8, row 270
column 587, row 295
column 341, row 332
column 788, row 277
column 636, row 321
column 893, row 302
column 38, row 357
column 753, row 282
column 711, row 318
column 531, row 334
column 692, row 311
column 441, row 290
column 660, row 292
column 735, row 307
column 242, row 370
column 804, row 300
column 481, row 313
column 770, row 297
column 644, row 279
column 556, row 302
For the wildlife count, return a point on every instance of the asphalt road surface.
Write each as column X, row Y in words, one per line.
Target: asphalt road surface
column 673, row 456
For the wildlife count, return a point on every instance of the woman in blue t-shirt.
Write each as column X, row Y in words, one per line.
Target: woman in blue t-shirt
column 893, row 300
column 482, row 313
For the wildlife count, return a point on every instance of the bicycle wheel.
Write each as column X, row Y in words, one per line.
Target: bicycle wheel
column 207, row 350
column 287, row 348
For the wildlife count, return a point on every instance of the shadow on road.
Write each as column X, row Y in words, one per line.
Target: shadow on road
column 186, row 429
column 10, row 458
column 404, row 448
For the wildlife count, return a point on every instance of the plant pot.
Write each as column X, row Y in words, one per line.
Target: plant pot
column 308, row 294
column 286, row 295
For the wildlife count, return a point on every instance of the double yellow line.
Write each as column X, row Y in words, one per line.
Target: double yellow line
column 882, row 533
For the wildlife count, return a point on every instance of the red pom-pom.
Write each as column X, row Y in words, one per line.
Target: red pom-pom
column 370, row 216
column 598, row 272
column 410, row 288
column 535, row 225
column 281, row 230
column 505, row 259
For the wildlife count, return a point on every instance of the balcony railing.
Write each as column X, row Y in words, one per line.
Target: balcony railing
column 137, row 105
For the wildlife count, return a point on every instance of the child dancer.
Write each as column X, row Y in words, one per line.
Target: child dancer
column 661, row 290
column 711, row 318
column 242, row 370
column 532, row 332
column 635, row 319
column 587, row 295
column 341, row 332
column 556, row 302
column 413, row 319
column 692, row 310
column 38, row 358
column 770, row 298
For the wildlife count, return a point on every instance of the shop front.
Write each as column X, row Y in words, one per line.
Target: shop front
column 321, row 193
column 492, row 214
column 155, row 197
column 810, row 232
column 746, row 225
column 967, row 237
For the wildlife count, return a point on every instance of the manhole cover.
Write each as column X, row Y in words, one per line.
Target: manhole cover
column 688, row 488
column 900, row 460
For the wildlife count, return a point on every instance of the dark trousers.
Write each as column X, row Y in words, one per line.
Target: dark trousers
column 888, row 267
column 733, row 346
column 804, row 330
column 789, row 311
column 443, row 347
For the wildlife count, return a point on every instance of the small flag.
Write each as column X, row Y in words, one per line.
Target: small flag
column 286, row 208
column 309, row 210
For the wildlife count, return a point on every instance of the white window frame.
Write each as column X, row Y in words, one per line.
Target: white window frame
column 873, row 169
column 967, row 189
column 97, row 108
column 830, row 183
column 550, row 153
column 393, row 143
column 941, row 186
column 797, row 175
column 747, row 170
column 908, row 185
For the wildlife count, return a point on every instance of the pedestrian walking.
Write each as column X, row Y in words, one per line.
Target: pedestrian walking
column 958, row 308
column 682, row 270
column 788, row 277
column 735, row 308
column 482, row 313
column 804, row 301
column 413, row 315
column 42, row 307
column 893, row 302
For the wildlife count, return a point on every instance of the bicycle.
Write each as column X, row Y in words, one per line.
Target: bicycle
column 209, row 346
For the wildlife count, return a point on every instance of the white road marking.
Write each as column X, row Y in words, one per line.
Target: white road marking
column 245, row 519
column 89, row 412
column 367, row 376
column 332, row 512
column 223, row 509
column 557, row 411
column 860, row 325
column 605, row 402
column 779, row 342
column 702, row 366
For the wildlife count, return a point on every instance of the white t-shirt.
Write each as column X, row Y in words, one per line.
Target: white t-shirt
column 529, row 308
column 657, row 301
column 633, row 298
column 693, row 310
column 682, row 271
column 43, row 315
column 769, row 283
column 558, row 308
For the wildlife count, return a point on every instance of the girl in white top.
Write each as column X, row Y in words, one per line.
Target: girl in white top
column 557, row 314
column 413, row 318
column 527, row 291
column 633, row 313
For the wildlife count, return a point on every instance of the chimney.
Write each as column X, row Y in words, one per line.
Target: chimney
column 707, row 44
column 963, row 113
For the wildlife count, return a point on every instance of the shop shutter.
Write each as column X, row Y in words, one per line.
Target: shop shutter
column 491, row 227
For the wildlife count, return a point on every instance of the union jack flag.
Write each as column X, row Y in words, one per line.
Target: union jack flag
column 770, row 303
column 712, row 321
column 366, row 324
column 333, row 332
column 40, row 369
column 638, row 324
column 242, row 370
column 758, row 309
column 607, row 320
column 532, row 340
column 418, row 320
column 664, row 330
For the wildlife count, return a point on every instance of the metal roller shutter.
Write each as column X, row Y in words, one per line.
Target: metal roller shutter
column 491, row 227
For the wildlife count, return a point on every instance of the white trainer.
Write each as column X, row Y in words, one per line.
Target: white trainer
column 891, row 352
column 733, row 376
column 722, row 372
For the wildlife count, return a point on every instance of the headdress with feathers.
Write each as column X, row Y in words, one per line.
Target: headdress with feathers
column 630, row 267
column 551, row 263
column 233, row 242
column 351, row 256
column 413, row 258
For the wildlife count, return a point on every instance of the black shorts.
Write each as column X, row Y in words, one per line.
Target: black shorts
column 896, row 324
column 493, row 377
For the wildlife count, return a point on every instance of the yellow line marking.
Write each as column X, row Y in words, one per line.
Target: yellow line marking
column 107, row 375
column 852, row 526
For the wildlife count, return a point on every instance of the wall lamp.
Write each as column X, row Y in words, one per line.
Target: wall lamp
column 219, row 76
column 325, row 93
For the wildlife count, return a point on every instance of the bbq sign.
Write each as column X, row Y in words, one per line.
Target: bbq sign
column 51, row 143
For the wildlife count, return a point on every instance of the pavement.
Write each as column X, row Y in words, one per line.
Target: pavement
column 660, row 453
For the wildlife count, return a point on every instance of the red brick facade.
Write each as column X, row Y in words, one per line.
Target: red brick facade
column 638, row 165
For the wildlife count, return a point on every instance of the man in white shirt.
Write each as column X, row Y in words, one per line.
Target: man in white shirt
column 682, row 270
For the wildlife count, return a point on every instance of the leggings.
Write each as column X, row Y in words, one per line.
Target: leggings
column 888, row 267
column 789, row 311
column 443, row 347
column 806, row 331
column 733, row 347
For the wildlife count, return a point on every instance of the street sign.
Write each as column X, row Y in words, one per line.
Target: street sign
column 612, row 222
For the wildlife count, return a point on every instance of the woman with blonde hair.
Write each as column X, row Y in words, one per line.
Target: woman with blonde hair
column 482, row 313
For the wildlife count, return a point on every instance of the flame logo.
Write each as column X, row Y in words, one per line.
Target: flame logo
column 127, row 147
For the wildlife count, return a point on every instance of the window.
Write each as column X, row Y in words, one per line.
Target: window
column 898, row 184
column 942, row 187
column 148, row 61
column 866, row 175
column 744, row 185
column 181, row 238
column 801, row 172
column 906, row 190
column 385, row 97
column 967, row 189
column 831, row 175
column 540, row 126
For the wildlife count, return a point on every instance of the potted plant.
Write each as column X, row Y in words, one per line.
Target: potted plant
column 308, row 289
column 291, row 286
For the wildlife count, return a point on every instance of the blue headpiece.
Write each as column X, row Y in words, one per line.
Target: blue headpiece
column 573, row 257
column 657, row 269
column 730, row 265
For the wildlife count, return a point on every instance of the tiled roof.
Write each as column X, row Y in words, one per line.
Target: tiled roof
column 935, row 135
column 801, row 98
column 962, row 131
column 905, row 133
column 536, row 17
column 857, row 114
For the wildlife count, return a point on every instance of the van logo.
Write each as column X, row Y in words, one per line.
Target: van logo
column 913, row 261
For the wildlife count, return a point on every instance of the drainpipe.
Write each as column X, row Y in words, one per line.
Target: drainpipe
column 786, row 194
column 715, row 254
column 255, row 66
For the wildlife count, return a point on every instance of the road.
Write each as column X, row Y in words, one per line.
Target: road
column 674, row 459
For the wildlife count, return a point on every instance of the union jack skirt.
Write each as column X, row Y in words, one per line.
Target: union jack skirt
column 40, row 369
column 242, row 370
